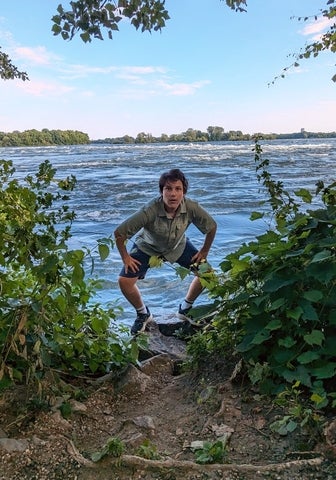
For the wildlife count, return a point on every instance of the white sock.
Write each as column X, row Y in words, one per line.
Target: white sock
column 186, row 304
column 142, row 309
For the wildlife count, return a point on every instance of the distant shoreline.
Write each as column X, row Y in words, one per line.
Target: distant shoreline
column 45, row 137
column 232, row 137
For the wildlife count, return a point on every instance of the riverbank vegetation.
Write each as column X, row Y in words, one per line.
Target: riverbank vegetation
column 212, row 134
column 276, row 299
column 36, row 138
column 45, row 137
column 48, row 321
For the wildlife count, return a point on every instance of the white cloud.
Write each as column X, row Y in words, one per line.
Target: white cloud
column 44, row 88
column 35, row 56
column 131, row 72
column 182, row 89
column 316, row 28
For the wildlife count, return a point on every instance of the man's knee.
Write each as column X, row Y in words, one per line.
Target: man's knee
column 126, row 283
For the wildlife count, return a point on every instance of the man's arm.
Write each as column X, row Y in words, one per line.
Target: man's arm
column 204, row 250
column 128, row 261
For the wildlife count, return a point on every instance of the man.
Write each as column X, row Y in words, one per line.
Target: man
column 161, row 226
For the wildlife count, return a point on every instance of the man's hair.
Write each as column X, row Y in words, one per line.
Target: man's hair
column 172, row 176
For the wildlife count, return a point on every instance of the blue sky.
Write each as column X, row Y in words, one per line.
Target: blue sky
column 209, row 66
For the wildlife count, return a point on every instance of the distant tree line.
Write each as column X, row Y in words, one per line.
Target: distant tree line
column 213, row 134
column 34, row 138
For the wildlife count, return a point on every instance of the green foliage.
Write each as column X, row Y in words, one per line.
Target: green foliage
column 148, row 450
column 276, row 295
column 114, row 447
column 326, row 41
column 47, row 316
column 155, row 261
column 8, row 71
column 298, row 414
column 33, row 138
column 89, row 17
column 211, row 452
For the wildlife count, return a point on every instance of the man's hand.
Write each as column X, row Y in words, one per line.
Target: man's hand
column 131, row 263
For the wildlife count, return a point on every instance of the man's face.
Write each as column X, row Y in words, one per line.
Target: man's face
column 172, row 195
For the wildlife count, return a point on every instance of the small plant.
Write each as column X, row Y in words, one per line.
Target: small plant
column 211, row 452
column 66, row 410
column 148, row 450
column 298, row 414
column 114, row 447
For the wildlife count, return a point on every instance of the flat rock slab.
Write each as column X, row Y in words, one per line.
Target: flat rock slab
column 159, row 343
column 170, row 324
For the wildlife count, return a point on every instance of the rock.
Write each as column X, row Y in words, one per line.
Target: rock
column 330, row 435
column 13, row 445
column 133, row 382
column 60, row 421
column 159, row 344
column 169, row 325
column 145, row 422
column 160, row 363
column 77, row 407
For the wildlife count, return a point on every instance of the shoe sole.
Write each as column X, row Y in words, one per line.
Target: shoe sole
column 198, row 322
column 188, row 319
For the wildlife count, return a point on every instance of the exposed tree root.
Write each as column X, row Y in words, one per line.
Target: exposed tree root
column 184, row 467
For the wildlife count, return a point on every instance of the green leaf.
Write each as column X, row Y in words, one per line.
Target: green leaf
column 261, row 337
column 313, row 295
column 309, row 312
column 316, row 337
column 238, row 266
column 78, row 274
column 104, row 251
column 155, row 261
column 256, row 215
column 301, row 374
column 274, row 325
column 308, row 357
column 304, row 194
column 287, row 342
column 327, row 371
column 295, row 313
column 279, row 302
column 182, row 272
column 97, row 325
column 275, row 283
column 84, row 36
column 321, row 256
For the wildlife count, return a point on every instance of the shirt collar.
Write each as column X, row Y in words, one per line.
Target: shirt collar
column 181, row 209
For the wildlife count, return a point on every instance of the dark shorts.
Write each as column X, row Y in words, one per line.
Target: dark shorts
column 184, row 260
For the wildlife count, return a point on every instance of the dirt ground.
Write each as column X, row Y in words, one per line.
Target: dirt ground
column 157, row 412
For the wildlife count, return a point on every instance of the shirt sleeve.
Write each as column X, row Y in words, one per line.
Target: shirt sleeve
column 135, row 222
column 200, row 217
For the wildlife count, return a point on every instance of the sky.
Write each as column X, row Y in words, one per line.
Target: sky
column 209, row 66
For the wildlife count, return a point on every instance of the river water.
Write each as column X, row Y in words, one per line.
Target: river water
column 115, row 180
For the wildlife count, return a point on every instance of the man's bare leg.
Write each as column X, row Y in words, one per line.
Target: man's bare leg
column 195, row 289
column 130, row 291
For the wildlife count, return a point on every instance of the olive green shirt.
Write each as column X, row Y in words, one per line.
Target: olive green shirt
column 162, row 236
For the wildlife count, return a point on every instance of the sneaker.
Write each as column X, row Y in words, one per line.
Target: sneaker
column 140, row 322
column 183, row 313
